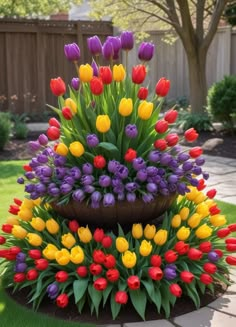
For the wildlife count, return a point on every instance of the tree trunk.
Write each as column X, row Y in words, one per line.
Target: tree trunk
column 197, row 80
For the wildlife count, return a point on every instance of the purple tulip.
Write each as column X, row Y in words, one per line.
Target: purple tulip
column 78, row 195
column 131, row 131
column 118, row 189
column 54, row 191
column 130, row 197
column 87, row 179
column 75, row 173
column 59, row 161
column 40, row 188
column 152, row 171
column 108, row 200
column 89, row 189
column 138, row 163
column 94, row 45
column 154, row 156
column 107, row 50
column 145, row 51
column 75, row 83
column 197, row 170
column 131, row 187
column 72, row 51
column 46, row 171
column 122, row 172
column 164, row 191
column 121, row 196
column 20, row 257
column 116, row 44
column 200, row 161
column 213, row 256
column 34, row 146
column 205, row 175
column 104, row 181
column 20, row 267
column 183, row 157
column 42, row 139
column 142, row 175
column 187, row 165
column 147, row 198
column 65, row 188
column 151, row 187
column 113, row 165
column 42, row 158
column 96, row 196
column 20, row 180
column 170, row 273
column 173, row 179
column 165, row 159
column 127, row 40
column 87, row 168
column 29, row 175
column 182, row 188
column 194, row 182
column 95, row 68
column 29, row 188
column 69, row 180
column 92, row 140
column 52, row 290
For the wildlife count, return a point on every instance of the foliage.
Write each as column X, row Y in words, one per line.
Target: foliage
column 5, row 129
column 59, row 259
column 221, row 101
column 230, row 13
column 187, row 119
column 20, row 128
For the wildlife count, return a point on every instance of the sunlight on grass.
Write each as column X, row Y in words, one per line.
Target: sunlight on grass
column 2, row 307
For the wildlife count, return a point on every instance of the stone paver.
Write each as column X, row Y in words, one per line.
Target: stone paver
column 154, row 323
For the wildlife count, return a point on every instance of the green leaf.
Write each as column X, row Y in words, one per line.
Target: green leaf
column 96, row 297
column 149, row 288
column 120, row 231
column 193, row 294
column 81, row 303
column 165, row 301
column 79, row 287
column 139, row 301
column 108, row 146
column 106, row 293
column 115, row 307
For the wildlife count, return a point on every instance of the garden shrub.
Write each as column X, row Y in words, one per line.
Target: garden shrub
column 186, row 120
column 5, row 129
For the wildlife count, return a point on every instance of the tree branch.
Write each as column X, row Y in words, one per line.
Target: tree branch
column 200, row 19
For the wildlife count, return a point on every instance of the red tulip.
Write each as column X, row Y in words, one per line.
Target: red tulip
column 201, row 184
column 106, row 74
column 160, row 144
column 54, row 122
column 99, row 162
column 230, row 240
column 121, row 297
column 41, row 264
column 17, row 202
column 19, row 277
column 7, row 228
column 170, row 256
column 211, row 193
column 62, row 300
column 172, row 139
column 231, row 247
column 142, row 93
column 218, row 252
column 112, row 275
column 214, row 210
column 205, row 247
column 232, row 227
column 100, row 284
column 34, row 254
column 155, row 260
column 95, row 269
column 206, row 279
column 109, row 261
column 191, row 135
column 57, row 86
column 61, row 276
column 3, row 253
column 155, row 273
column 130, row 155
column 53, row 133
column 67, row 113
column 15, row 250
column 107, row 242
column 32, row 274
column 73, row 226
column 223, row 232
column 231, row 260
column 186, row 276
column 98, row 235
column 161, row 126
column 138, row 74
column 98, row 256
column 175, row 290
column 162, row 87
column 181, row 247
column 133, row 282
column 96, row 85
column 195, row 152
column 13, row 209
column 82, row 271
column 194, row 254
column 209, row 267
column 171, row 115
column 2, row 240
column 27, row 168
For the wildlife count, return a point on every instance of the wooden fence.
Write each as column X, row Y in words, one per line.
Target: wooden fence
column 32, row 52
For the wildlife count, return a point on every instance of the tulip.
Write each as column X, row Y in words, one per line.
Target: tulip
column 76, row 148
column 213, row 256
column 231, row 260
column 194, row 220
column 231, row 247
column 138, row 74
column 68, row 240
column 203, row 210
column 103, row 123
column 109, row 261
column 155, row 260
column 38, row 224
column 75, row 82
column 181, row 247
column 85, row 73
column 100, row 284
column 94, row 45
column 57, row 86
column 62, row 149
column 95, row 269
column 121, row 297
column 137, row 231
column 62, row 300
column 187, row 276
column 211, row 193
column 171, row 115
column 19, row 232
column 194, row 254
column 34, row 254
column 77, row 255
column 130, row 155
column 108, row 200
column 108, row 50
column 82, row 271
column 125, row 107
column 14, row 209
column 107, row 242
column 170, row 256
column 62, row 257
column 96, row 86
column 32, row 274
column 72, row 52
column 142, row 93
column 160, row 237
column 2, row 240
column 54, row 122
column 61, row 276
column 162, row 87
column 161, row 126
column 214, row 210
column 205, row 247
column 99, row 162
column 155, row 273
column 41, row 264
column 84, row 234
column 191, row 135
column 223, row 232
column 145, row 110
column 203, row 231
column 98, row 235
column 175, row 290
column 183, row 233
column 131, row 131
column 122, row 244
column 195, row 152
column 25, row 214
column 206, row 279
column 176, row 221
column 118, row 73
column 70, row 103
column 209, row 267
column 127, row 40
column 52, row 226
column 49, row 251
column 170, row 273
column 145, row 248
column 129, row 259
column 218, row 220
column 145, row 51
column 149, row 231
column 34, row 239
column 19, row 277
column 112, row 275
column 53, row 133
column 172, row 139
column 98, row 256
column 133, row 282
column 105, row 74
column 12, row 220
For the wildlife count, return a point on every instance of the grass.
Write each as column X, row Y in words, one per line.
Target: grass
column 9, row 171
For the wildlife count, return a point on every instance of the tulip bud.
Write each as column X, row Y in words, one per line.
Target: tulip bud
column 129, row 259
column 103, row 123
column 118, row 73
column 85, row 73
column 127, row 40
column 145, row 51
column 138, row 74
column 145, row 110
column 72, row 52
column 125, row 107
column 191, row 135
column 171, row 115
column 105, row 74
column 161, row 126
column 137, row 231
column 142, row 93
column 94, row 45
column 76, row 149
column 57, row 86
column 162, row 87
column 175, row 290
column 96, row 86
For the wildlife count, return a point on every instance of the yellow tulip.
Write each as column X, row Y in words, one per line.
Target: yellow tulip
column 202, row 209
column 129, row 259
column 210, row 203
column 179, row 198
column 71, row 104
column 118, row 73
column 183, row 233
column 122, row 244
column 103, row 123
column 149, row 231
column 68, row 240
column 50, row 251
column 19, row 232
column 218, row 220
column 199, row 198
column 192, row 194
column 76, row 149
column 161, row 237
column 184, row 212
column 125, row 107
column 77, row 255
column 203, row 231
column 12, row 220
column 62, row 149
column 145, row 110
column 37, row 202
column 194, row 220
column 176, row 221
column 38, row 224
column 84, row 234
column 34, row 239
column 28, row 203
column 62, row 257
column 137, row 231
column 85, row 73
column 145, row 248
column 52, row 226
column 25, row 213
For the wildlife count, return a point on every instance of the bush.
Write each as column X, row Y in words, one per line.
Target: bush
column 186, row 120
column 221, row 101
column 5, row 129
column 21, row 131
